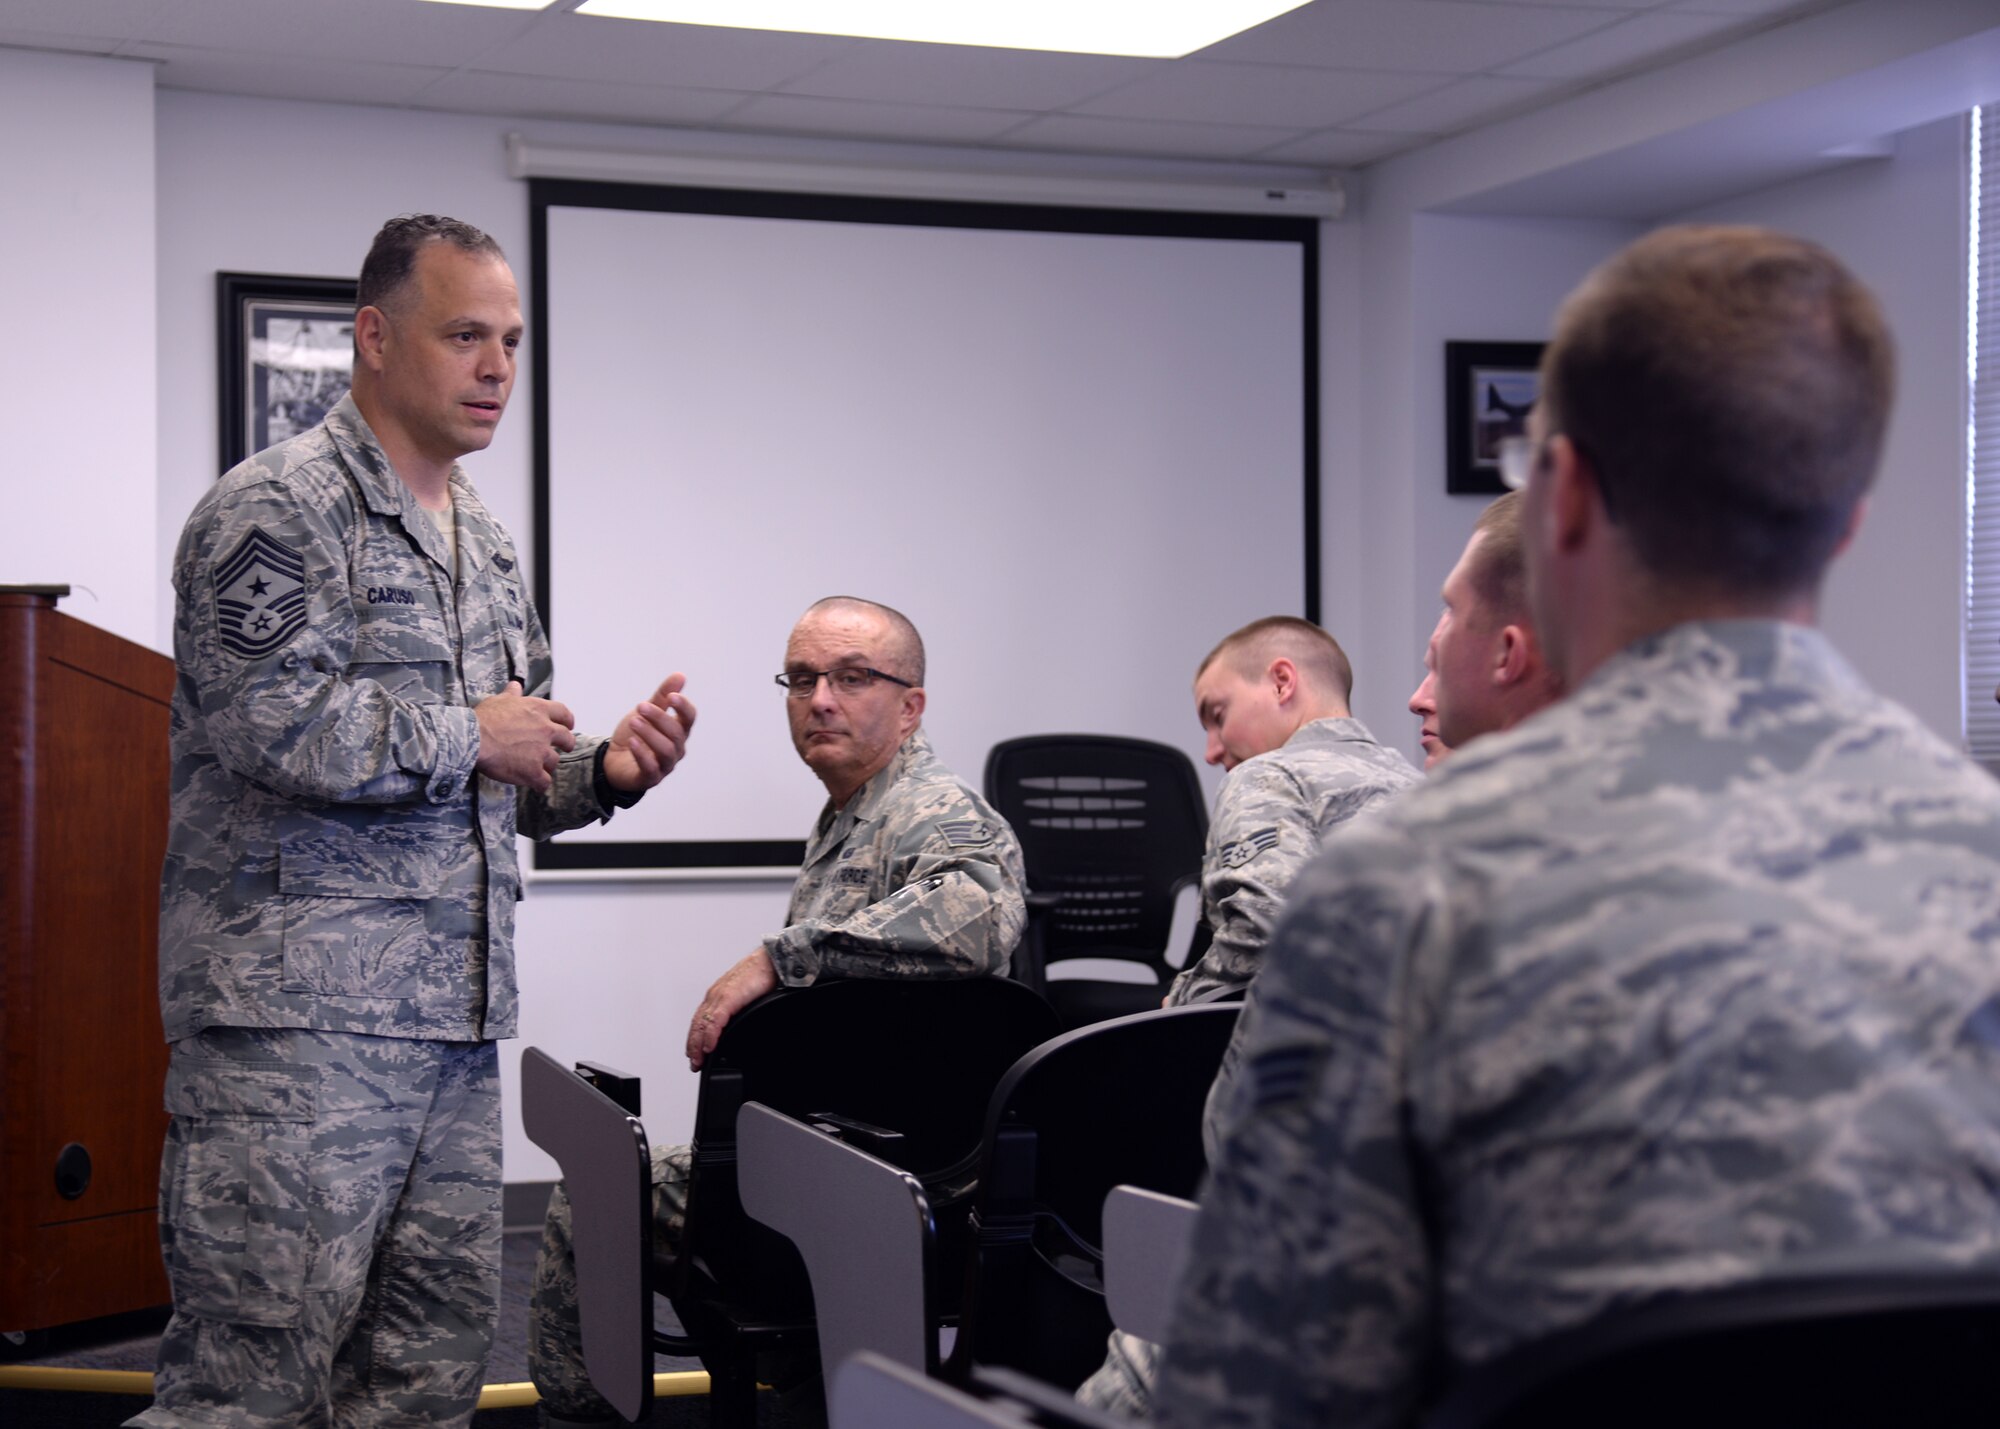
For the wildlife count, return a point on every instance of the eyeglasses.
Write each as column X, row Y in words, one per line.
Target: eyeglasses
column 1517, row 461
column 1520, row 455
column 847, row 680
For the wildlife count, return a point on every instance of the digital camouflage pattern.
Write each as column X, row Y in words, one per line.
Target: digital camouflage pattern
column 324, row 1190
column 336, row 929
column 917, row 877
column 334, row 860
column 1274, row 811
column 1688, row 981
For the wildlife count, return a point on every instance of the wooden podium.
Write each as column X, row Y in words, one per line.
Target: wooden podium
column 83, row 830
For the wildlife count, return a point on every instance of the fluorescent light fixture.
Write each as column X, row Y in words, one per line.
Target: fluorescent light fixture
column 501, row 4
column 1156, row 29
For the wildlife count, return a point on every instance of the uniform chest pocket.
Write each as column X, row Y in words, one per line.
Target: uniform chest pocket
column 846, row 889
column 404, row 649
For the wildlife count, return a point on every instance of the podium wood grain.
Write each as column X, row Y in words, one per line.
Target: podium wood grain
column 83, row 826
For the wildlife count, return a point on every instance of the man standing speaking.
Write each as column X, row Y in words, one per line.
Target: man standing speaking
column 361, row 724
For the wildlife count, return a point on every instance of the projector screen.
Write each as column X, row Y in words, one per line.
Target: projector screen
column 1075, row 447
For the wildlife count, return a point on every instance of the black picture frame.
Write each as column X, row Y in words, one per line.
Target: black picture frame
column 266, row 398
column 1484, row 387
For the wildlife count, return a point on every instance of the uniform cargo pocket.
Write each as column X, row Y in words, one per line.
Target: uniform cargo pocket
column 241, row 1242
column 356, row 913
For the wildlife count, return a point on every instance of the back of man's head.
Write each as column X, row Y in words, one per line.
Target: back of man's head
column 1730, row 388
column 1320, row 661
column 1499, row 569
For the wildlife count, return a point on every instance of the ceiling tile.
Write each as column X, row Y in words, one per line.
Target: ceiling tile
column 1754, row 9
column 64, row 44
column 639, row 52
column 1340, row 148
column 287, row 76
column 1626, row 44
column 1280, row 95
column 536, row 97
column 92, row 19
column 1078, row 133
column 1625, row 5
column 1440, row 36
column 802, row 114
column 364, row 31
column 1454, row 106
column 895, row 72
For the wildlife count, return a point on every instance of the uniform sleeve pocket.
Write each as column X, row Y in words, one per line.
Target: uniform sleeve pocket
column 244, row 1243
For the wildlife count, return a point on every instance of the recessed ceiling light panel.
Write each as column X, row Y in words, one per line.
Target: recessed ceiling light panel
column 1159, row 29
column 501, row 4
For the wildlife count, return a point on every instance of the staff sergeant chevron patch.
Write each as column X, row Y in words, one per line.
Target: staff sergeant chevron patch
column 961, row 833
column 260, row 596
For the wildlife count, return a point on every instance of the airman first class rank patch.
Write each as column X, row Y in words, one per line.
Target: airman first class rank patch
column 961, row 832
column 260, row 596
column 1243, row 850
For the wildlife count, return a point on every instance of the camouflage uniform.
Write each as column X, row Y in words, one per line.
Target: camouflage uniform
column 1274, row 811
column 1691, row 980
column 336, row 924
column 916, row 877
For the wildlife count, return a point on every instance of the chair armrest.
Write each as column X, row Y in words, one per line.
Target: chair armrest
column 1146, row 1239
column 875, row 1140
column 621, row 1087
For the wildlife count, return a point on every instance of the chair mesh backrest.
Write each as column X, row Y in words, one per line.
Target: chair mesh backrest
column 1114, row 827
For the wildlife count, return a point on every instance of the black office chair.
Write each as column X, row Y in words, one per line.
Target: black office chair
column 1111, row 831
column 1840, row 1351
column 1115, row 1103
column 902, row 1068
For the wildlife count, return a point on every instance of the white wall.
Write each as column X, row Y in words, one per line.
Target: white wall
column 76, row 371
column 1894, row 601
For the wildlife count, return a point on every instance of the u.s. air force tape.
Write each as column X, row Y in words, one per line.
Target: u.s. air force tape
column 1243, row 850
column 260, row 596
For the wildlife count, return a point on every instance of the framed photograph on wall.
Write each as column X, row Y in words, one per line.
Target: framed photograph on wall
column 1489, row 388
column 287, row 350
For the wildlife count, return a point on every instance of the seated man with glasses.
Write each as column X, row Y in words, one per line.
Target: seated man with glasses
column 908, row 873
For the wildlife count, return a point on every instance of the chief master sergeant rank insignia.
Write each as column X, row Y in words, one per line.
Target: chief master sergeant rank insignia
column 260, row 596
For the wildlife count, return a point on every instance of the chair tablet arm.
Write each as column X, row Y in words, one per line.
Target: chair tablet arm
column 876, row 1140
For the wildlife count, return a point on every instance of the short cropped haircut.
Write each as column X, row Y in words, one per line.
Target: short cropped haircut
column 392, row 258
column 1317, row 654
column 1730, row 388
column 906, row 647
column 1499, row 568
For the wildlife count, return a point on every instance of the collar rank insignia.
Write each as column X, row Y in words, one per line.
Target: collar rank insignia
column 1243, row 850
column 260, row 596
column 961, row 832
